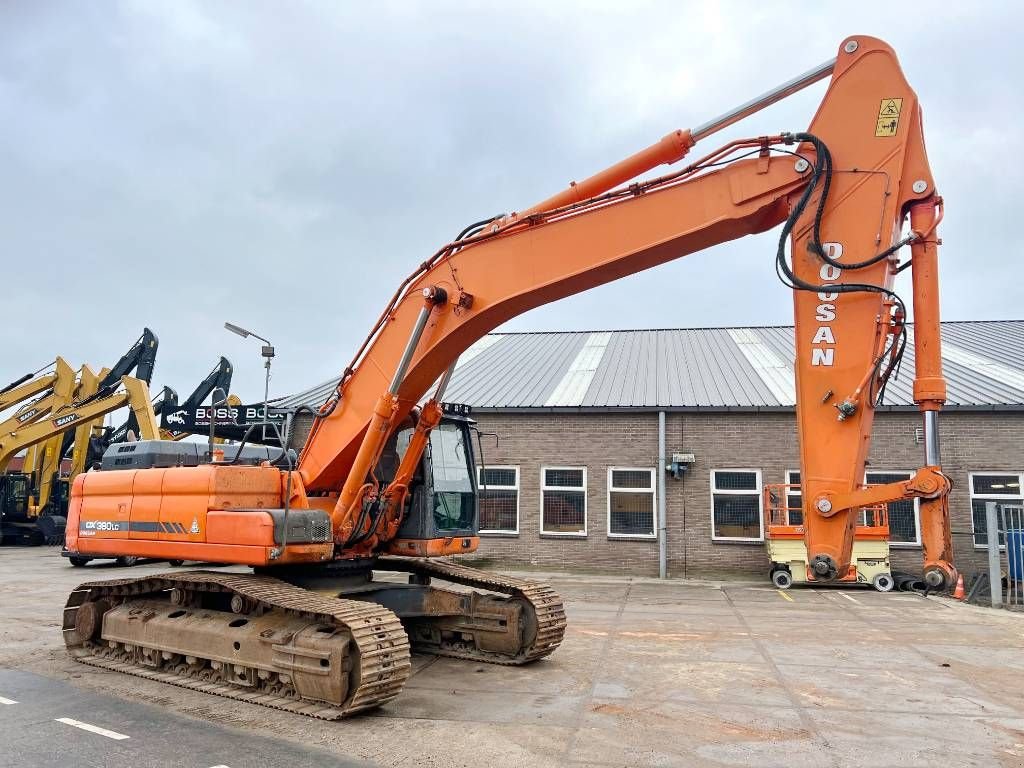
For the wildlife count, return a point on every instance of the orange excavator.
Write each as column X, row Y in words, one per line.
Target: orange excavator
column 385, row 482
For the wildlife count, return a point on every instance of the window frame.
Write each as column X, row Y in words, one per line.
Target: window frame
column 971, row 496
column 517, row 488
column 799, row 492
column 544, row 487
column 917, row 507
column 758, row 492
column 653, row 491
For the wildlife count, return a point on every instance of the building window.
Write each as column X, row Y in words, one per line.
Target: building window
column 904, row 528
column 1001, row 487
column 631, row 503
column 499, row 499
column 563, row 501
column 736, row 505
column 794, row 499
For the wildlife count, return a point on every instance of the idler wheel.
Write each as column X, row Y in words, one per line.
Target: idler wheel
column 89, row 618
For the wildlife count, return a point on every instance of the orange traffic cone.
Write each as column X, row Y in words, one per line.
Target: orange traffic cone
column 958, row 593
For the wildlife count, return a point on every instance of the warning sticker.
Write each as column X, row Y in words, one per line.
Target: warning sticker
column 888, row 117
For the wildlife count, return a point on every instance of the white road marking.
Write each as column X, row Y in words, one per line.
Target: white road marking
column 92, row 728
column 851, row 599
column 220, row 766
column 7, row 701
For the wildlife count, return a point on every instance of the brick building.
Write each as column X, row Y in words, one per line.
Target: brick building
column 571, row 458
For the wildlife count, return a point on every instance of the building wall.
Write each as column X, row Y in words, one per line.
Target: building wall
column 766, row 442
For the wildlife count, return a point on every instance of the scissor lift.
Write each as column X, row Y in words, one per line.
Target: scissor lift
column 784, row 535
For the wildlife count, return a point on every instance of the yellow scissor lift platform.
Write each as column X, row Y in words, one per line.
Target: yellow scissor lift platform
column 784, row 536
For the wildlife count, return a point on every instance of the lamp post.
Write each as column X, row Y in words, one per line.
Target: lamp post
column 214, row 402
column 268, row 354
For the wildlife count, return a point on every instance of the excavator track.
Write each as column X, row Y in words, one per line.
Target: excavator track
column 548, row 613
column 376, row 647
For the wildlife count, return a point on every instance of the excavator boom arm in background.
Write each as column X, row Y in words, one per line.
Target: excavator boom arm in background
column 217, row 379
column 135, row 394
column 61, row 391
column 48, row 455
column 843, row 190
column 27, row 386
column 140, row 358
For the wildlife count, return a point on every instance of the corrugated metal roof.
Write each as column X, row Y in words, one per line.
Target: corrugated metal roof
column 734, row 368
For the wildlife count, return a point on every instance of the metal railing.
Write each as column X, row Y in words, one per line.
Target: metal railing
column 783, row 514
column 1004, row 535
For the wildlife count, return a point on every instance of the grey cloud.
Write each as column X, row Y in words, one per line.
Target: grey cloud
column 284, row 165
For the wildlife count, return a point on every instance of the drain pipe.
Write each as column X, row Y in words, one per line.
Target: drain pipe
column 662, row 516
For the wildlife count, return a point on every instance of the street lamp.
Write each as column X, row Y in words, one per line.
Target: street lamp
column 268, row 354
column 214, row 402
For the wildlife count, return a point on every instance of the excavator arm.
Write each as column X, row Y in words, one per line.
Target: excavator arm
column 27, row 386
column 135, row 394
column 843, row 191
column 62, row 389
column 49, row 453
column 140, row 359
column 218, row 378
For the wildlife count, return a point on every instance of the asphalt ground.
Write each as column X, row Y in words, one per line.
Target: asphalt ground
column 676, row 673
column 50, row 723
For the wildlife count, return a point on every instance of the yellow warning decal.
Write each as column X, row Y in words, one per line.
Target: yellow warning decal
column 888, row 117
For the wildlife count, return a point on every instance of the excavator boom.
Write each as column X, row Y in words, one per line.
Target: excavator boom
column 844, row 189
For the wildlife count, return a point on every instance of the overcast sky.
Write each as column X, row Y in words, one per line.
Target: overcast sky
column 283, row 165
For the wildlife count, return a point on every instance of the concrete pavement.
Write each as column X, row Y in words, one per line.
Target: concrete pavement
column 650, row 674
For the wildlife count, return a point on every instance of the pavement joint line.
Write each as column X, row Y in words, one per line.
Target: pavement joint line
column 588, row 698
column 92, row 728
column 431, row 662
column 911, row 645
column 5, row 700
column 808, row 723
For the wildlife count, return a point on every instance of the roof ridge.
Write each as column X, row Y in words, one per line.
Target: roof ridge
column 710, row 328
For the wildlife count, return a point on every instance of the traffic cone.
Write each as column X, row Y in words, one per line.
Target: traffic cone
column 958, row 593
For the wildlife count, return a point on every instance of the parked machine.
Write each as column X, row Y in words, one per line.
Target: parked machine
column 140, row 360
column 44, row 393
column 217, row 380
column 48, row 477
column 787, row 552
column 386, row 484
column 45, row 462
column 34, row 524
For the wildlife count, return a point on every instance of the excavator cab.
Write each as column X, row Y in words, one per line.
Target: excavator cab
column 16, row 513
column 14, row 493
column 441, row 511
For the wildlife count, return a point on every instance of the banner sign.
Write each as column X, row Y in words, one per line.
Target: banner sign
column 229, row 420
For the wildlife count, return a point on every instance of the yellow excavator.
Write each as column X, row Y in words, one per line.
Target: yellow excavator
column 50, row 485
column 36, row 395
column 43, row 462
column 27, row 523
column 50, row 391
